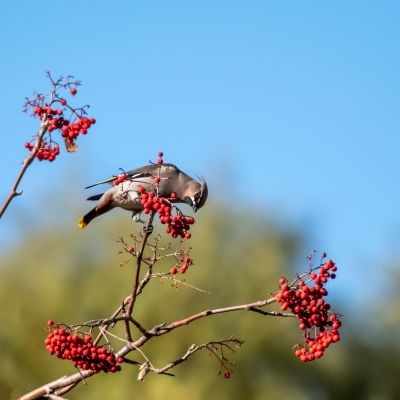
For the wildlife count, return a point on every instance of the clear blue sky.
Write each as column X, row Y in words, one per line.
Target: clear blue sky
column 295, row 104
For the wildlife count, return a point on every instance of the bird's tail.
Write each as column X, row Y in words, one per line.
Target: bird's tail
column 101, row 208
column 88, row 217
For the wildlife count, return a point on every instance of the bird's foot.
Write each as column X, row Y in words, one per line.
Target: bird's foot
column 136, row 218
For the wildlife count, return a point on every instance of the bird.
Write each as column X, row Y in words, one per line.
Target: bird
column 124, row 191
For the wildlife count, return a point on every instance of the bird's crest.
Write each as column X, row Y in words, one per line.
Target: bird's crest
column 204, row 192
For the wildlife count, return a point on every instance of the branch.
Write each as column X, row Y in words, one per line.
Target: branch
column 211, row 346
column 157, row 330
column 27, row 162
column 55, row 397
column 147, row 232
column 255, row 307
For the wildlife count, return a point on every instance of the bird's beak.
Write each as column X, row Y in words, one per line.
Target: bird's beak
column 191, row 202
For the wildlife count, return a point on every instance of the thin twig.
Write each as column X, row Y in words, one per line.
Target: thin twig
column 195, row 348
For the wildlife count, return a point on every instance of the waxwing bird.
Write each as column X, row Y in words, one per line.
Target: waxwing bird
column 125, row 194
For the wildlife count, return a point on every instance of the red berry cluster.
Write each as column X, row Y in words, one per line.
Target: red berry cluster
column 306, row 301
column 181, row 267
column 178, row 225
column 42, row 112
column 81, row 126
column 81, row 351
column 45, row 152
column 315, row 347
column 54, row 117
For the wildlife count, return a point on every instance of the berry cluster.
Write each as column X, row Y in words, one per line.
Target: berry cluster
column 181, row 266
column 315, row 347
column 44, row 107
column 71, row 130
column 178, row 225
column 306, row 301
column 42, row 112
column 46, row 151
column 81, row 351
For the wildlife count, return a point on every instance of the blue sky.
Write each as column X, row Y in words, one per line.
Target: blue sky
column 294, row 105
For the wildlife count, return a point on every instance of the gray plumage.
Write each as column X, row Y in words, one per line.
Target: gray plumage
column 125, row 194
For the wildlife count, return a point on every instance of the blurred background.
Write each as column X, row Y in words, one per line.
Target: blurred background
column 290, row 112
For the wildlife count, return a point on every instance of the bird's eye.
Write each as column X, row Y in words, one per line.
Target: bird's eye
column 196, row 195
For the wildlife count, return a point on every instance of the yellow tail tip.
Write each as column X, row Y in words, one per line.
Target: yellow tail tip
column 81, row 223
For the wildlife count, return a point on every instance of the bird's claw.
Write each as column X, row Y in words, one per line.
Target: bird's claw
column 136, row 218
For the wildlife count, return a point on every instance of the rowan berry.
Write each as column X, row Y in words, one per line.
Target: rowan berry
column 306, row 301
column 81, row 351
column 183, row 268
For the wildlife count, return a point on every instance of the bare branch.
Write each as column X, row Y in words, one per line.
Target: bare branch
column 192, row 350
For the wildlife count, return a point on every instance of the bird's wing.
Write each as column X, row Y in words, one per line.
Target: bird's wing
column 141, row 172
column 152, row 170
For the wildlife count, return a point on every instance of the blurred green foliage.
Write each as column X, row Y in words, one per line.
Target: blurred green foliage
column 74, row 276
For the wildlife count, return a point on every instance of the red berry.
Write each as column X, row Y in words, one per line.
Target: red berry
column 73, row 91
column 173, row 271
column 282, row 281
column 183, row 269
column 160, row 154
column 50, row 322
column 130, row 249
column 87, row 339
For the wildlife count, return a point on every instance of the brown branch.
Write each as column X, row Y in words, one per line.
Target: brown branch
column 157, row 330
column 139, row 263
column 243, row 307
column 54, row 397
column 27, row 162
column 190, row 351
